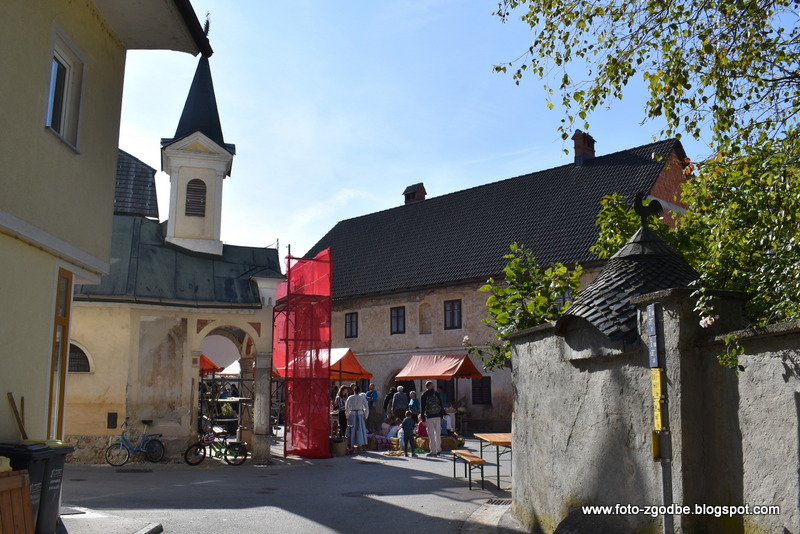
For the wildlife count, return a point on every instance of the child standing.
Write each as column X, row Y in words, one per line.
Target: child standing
column 408, row 433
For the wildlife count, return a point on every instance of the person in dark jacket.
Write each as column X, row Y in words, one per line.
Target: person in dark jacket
column 387, row 401
column 339, row 407
column 399, row 403
column 432, row 412
column 408, row 434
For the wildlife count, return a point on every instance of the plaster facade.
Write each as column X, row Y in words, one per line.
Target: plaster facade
column 57, row 201
column 145, row 365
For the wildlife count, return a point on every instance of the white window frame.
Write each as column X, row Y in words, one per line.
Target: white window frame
column 65, row 126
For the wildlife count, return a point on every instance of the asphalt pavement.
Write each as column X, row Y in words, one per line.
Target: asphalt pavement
column 368, row 492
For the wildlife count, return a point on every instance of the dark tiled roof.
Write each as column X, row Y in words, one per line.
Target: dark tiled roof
column 644, row 265
column 464, row 235
column 147, row 270
column 135, row 188
column 200, row 113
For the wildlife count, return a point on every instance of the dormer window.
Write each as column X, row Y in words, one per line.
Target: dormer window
column 196, row 198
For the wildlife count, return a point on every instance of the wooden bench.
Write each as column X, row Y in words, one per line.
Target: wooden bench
column 470, row 461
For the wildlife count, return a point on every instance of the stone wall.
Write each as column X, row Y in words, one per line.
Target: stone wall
column 580, row 435
column 753, row 436
column 583, row 423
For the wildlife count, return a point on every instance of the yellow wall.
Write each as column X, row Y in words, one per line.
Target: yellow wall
column 196, row 227
column 67, row 194
column 133, row 371
column 26, row 322
column 105, row 334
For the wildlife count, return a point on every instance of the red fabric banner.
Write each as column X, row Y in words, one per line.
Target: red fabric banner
column 301, row 347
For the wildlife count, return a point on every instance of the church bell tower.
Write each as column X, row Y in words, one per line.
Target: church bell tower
column 197, row 160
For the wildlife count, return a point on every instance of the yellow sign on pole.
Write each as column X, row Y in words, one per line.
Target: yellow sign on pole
column 656, row 382
column 657, row 421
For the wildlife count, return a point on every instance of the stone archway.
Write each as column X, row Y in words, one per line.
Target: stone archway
column 256, row 365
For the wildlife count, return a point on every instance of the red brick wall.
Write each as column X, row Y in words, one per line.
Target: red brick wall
column 668, row 185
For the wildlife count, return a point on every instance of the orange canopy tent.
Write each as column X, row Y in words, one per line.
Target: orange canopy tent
column 439, row 366
column 207, row 366
column 344, row 366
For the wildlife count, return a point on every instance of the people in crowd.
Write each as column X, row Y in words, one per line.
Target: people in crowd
column 422, row 429
column 413, row 405
column 356, row 411
column 399, row 404
column 372, row 399
column 339, row 407
column 442, row 396
column 408, row 433
column 432, row 413
column 394, row 429
column 386, row 425
column 387, row 401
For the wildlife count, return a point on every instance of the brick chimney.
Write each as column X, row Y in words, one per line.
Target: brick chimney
column 414, row 193
column 584, row 147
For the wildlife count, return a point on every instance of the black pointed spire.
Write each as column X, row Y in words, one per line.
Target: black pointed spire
column 200, row 112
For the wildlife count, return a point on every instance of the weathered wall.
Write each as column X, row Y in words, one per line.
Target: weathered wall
column 583, row 423
column 106, row 335
column 756, row 425
column 581, row 433
column 144, row 364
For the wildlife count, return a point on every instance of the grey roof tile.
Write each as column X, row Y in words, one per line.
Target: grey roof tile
column 135, row 191
column 463, row 236
column 145, row 269
column 645, row 264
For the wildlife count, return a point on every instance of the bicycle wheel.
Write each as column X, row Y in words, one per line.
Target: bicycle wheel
column 117, row 454
column 154, row 450
column 195, row 454
column 235, row 454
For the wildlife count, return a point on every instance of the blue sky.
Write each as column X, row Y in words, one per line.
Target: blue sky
column 336, row 107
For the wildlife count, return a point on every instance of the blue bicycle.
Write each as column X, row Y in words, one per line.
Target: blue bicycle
column 120, row 452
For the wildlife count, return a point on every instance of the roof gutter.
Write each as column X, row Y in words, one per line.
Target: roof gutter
column 193, row 25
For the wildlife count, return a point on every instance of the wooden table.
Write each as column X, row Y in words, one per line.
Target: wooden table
column 503, row 440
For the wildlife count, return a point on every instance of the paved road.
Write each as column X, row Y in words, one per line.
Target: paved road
column 366, row 493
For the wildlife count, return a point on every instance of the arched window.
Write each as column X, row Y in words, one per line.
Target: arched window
column 78, row 362
column 196, row 198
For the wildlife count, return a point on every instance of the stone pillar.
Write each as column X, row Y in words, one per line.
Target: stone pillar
column 261, row 407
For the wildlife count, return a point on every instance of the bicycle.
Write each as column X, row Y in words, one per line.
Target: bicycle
column 119, row 452
column 216, row 444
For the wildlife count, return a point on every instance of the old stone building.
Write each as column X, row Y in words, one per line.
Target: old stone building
column 406, row 279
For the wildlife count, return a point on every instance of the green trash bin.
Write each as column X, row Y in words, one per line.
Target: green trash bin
column 35, row 458
column 50, row 503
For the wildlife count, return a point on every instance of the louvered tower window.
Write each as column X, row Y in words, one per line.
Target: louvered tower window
column 196, row 198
